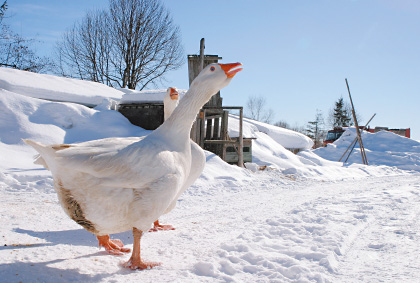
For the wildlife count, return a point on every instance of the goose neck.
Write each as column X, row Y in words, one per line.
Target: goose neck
column 184, row 115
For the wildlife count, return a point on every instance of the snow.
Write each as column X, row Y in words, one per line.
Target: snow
column 56, row 88
column 135, row 96
column 305, row 218
column 287, row 138
column 381, row 148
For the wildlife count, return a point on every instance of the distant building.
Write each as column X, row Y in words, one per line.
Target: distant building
column 401, row 132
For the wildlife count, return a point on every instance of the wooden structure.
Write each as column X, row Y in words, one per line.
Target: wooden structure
column 353, row 144
column 147, row 115
column 213, row 135
column 231, row 155
column 401, row 132
column 210, row 129
column 359, row 136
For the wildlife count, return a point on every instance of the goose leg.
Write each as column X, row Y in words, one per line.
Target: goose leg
column 135, row 262
column 114, row 247
column 158, row 227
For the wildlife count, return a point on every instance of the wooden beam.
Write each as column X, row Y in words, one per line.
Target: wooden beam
column 353, row 144
column 220, row 141
column 224, row 132
column 359, row 137
column 201, row 66
column 241, row 140
column 202, row 126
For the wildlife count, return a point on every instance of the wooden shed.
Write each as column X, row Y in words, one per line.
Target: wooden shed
column 144, row 108
column 147, row 115
column 210, row 129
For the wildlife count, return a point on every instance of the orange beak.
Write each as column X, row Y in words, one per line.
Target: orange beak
column 230, row 70
column 174, row 94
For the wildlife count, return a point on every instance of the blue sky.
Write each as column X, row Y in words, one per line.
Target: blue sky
column 296, row 53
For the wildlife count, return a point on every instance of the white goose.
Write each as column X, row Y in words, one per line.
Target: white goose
column 198, row 158
column 170, row 102
column 110, row 189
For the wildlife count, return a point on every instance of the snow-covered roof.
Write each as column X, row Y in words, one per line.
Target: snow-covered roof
column 136, row 96
column 56, row 88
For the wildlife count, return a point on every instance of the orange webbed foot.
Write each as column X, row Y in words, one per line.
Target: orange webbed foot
column 139, row 264
column 158, row 227
column 135, row 261
column 114, row 247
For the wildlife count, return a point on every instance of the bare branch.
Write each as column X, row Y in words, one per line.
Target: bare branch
column 131, row 45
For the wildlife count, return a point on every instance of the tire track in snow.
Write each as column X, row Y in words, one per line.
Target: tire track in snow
column 390, row 236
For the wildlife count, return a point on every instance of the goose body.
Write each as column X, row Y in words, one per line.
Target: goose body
column 114, row 185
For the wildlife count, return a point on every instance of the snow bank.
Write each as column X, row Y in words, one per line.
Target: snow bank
column 382, row 148
column 285, row 137
column 23, row 117
column 56, row 88
column 135, row 96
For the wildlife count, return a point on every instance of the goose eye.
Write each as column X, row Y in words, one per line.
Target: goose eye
column 212, row 69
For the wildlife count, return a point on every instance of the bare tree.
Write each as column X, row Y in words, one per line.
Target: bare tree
column 15, row 50
column 133, row 44
column 282, row 124
column 3, row 9
column 315, row 129
column 256, row 109
column 85, row 50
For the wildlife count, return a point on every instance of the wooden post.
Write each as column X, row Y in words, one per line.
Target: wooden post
column 241, row 139
column 201, row 66
column 216, row 134
column 353, row 144
column 224, row 132
column 209, row 128
column 359, row 137
column 202, row 126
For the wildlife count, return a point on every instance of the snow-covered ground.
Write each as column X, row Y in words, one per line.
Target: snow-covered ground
column 306, row 218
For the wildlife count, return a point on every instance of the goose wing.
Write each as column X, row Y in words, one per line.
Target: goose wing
column 133, row 166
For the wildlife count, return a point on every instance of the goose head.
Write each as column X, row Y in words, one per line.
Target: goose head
column 173, row 93
column 171, row 96
column 211, row 79
column 215, row 76
column 170, row 101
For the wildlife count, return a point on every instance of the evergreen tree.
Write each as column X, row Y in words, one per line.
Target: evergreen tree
column 341, row 114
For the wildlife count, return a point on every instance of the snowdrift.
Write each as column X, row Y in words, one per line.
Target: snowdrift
column 56, row 88
column 156, row 95
column 382, row 148
column 289, row 139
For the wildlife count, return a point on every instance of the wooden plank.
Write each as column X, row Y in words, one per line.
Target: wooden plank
column 220, row 142
column 353, row 144
column 224, row 132
column 216, row 134
column 241, row 140
column 202, row 124
column 359, row 137
column 201, row 65
column 209, row 128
